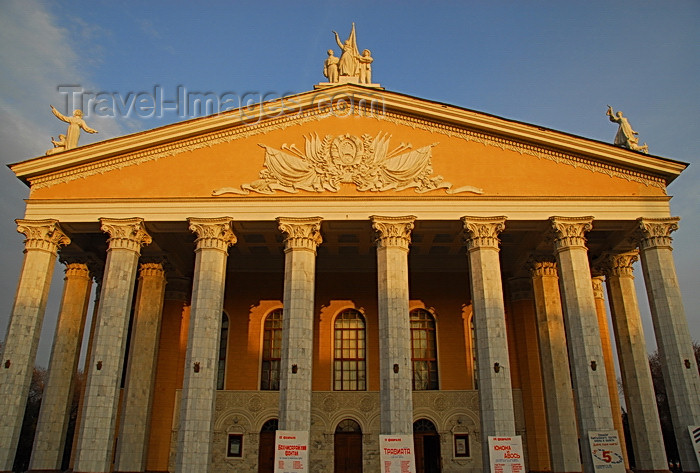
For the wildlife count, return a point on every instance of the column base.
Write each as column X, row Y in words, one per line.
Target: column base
column 651, row 471
column 41, row 471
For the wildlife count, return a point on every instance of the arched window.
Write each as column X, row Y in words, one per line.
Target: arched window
column 272, row 351
column 349, row 356
column 223, row 346
column 423, row 350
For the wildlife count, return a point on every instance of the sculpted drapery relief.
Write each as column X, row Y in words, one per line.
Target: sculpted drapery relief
column 327, row 162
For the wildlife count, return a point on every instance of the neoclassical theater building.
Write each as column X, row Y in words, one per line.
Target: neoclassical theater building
column 348, row 262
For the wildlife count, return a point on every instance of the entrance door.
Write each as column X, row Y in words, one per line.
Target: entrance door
column 348, row 447
column 426, row 441
column 266, row 447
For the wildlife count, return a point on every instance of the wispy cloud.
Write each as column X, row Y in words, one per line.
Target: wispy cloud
column 38, row 55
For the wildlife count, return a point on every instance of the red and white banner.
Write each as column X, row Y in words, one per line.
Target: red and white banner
column 397, row 454
column 606, row 451
column 695, row 439
column 292, row 451
column 506, row 454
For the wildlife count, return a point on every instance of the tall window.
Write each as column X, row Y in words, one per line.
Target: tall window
column 272, row 351
column 223, row 346
column 423, row 350
column 475, row 371
column 349, row 359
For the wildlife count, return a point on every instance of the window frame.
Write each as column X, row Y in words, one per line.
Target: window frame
column 221, row 362
column 467, row 447
column 341, row 354
column 229, row 444
column 430, row 362
column 271, row 359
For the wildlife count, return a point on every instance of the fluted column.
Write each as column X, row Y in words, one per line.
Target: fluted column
column 393, row 237
column 495, row 391
column 678, row 363
column 138, row 391
column 50, row 437
column 583, row 333
column 101, row 399
column 559, row 399
column 214, row 236
column 22, row 338
column 643, row 416
column 302, row 237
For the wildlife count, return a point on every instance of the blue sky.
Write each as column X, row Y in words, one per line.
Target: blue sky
column 550, row 63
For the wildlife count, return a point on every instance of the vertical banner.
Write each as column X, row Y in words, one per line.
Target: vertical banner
column 506, row 454
column 695, row 439
column 292, row 451
column 606, row 451
column 397, row 454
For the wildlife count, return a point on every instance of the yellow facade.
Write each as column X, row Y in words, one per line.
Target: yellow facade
column 473, row 165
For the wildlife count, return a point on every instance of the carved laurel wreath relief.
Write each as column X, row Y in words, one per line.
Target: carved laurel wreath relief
column 326, row 163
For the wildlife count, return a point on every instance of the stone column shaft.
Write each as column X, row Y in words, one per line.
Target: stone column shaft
column 23, row 330
column 395, row 367
column 522, row 316
column 559, row 398
column 302, row 237
column 138, row 392
column 583, row 333
column 678, row 363
column 214, row 236
column 101, row 399
column 643, row 416
column 495, row 389
column 606, row 343
column 50, row 437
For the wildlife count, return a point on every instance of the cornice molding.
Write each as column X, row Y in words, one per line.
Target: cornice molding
column 417, row 113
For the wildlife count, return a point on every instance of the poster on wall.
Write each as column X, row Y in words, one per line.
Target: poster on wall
column 606, row 451
column 292, row 451
column 506, row 454
column 695, row 438
column 397, row 454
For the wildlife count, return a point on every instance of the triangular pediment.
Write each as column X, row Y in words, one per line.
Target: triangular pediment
column 346, row 140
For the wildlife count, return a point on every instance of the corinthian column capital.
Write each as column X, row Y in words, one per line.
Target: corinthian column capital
column 656, row 232
column 393, row 231
column 542, row 266
column 42, row 235
column 570, row 231
column 482, row 232
column 301, row 233
column 213, row 233
column 619, row 265
column 151, row 270
column 125, row 233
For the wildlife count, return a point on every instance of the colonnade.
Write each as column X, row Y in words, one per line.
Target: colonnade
column 571, row 352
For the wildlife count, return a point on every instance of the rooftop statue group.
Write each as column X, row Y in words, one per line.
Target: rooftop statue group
column 70, row 139
column 350, row 64
column 626, row 136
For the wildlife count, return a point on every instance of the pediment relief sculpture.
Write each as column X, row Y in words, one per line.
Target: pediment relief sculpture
column 326, row 163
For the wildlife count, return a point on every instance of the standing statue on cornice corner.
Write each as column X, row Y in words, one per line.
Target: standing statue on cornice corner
column 75, row 123
column 626, row 136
